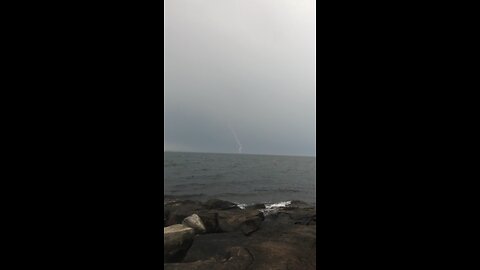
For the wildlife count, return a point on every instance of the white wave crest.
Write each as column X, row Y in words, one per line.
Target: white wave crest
column 277, row 205
column 242, row 205
column 271, row 208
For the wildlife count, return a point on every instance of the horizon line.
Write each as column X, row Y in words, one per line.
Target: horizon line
column 248, row 154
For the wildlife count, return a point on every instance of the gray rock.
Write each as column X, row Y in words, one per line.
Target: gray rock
column 195, row 222
column 177, row 239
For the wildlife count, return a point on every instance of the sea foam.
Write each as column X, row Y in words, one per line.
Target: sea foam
column 270, row 208
column 277, row 205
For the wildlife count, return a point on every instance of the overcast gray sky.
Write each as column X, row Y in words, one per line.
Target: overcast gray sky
column 240, row 68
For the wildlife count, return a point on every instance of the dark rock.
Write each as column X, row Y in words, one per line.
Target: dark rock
column 210, row 220
column 281, row 218
column 229, row 221
column 256, row 206
column 273, row 246
column 309, row 220
column 294, row 216
column 177, row 239
column 283, row 246
column 214, row 245
column 250, row 226
column 295, row 204
column 220, row 205
column 179, row 210
column 236, row 258
column 280, row 254
column 197, row 265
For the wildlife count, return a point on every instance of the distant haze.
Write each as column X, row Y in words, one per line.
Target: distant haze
column 240, row 76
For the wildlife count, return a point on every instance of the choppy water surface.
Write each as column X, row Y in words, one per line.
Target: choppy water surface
column 239, row 178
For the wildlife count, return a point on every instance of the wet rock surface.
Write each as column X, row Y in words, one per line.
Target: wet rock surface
column 249, row 238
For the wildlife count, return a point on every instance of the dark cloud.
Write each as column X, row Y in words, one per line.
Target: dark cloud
column 248, row 64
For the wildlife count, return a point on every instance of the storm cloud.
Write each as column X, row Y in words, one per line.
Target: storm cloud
column 240, row 72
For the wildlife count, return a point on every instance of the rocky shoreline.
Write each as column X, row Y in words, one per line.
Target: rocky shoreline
column 219, row 234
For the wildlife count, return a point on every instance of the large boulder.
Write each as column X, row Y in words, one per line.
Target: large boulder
column 194, row 222
column 229, row 221
column 303, row 215
column 176, row 211
column 295, row 204
column 220, row 205
column 209, row 219
column 179, row 210
column 215, row 245
column 177, row 239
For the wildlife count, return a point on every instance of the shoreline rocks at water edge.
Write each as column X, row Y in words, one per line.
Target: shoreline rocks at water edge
column 220, row 235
